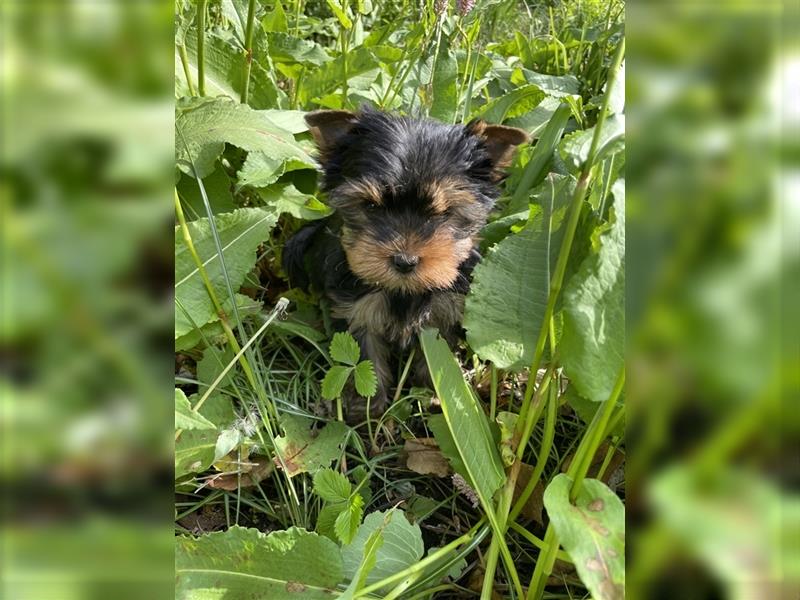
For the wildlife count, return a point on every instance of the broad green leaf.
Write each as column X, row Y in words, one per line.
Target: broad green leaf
column 212, row 364
column 323, row 81
column 726, row 517
column 445, row 89
column 240, row 234
column 513, row 104
column 218, row 190
column 593, row 339
column 332, row 486
column 402, row 545
column 224, row 73
column 212, row 331
column 245, row 563
column 292, row 121
column 592, row 531
column 185, row 417
column 616, row 102
column 506, row 302
column 334, row 380
column 284, row 48
column 575, row 147
column 285, row 198
column 260, row 169
column 227, row 441
column 365, row 379
column 306, row 450
column 344, row 348
column 236, row 13
column 194, row 449
column 276, row 20
column 535, row 121
column 203, row 127
column 369, row 558
column 553, row 85
column 340, row 13
column 465, row 418
column 349, row 519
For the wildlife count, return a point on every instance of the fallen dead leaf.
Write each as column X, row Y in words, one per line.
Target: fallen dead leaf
column 533, row 507
column 259, row 468
column 425, row 458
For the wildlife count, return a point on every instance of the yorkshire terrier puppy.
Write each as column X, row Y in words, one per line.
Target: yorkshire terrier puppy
column 410, row 198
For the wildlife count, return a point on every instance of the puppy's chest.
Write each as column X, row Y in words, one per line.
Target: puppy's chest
column 398, row 318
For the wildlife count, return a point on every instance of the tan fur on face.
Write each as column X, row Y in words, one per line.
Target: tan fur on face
column 439, row 258
column 446, row 193
column 358, row 191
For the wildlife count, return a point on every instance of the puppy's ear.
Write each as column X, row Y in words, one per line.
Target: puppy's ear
column 501, row 141
column 327, row 126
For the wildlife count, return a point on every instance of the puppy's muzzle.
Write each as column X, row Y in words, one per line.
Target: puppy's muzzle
column 405, row 263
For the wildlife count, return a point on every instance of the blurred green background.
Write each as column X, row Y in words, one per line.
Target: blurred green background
column 87, row 367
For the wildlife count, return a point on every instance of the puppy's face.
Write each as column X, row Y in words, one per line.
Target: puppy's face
column 412, row 194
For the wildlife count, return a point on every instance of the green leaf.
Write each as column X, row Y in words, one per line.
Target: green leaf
column 224, row 74
column 369, row 559
column 553, row 85
column 306, row 450
column 203, row 127
column 522, row 100
column 507, row 422
column 284, row 48
column 326, row 520
column 334, row 380
column 349, row 519
column 240, row 234
column 212, row 330
column 194, row 449
column 218, row 189
column 535, row 120
column 465, row 418
column 227, row 441
column 185, row 417
column 575, row 147
column 505, row 306
column 245, row 563
column 402, row 545
column 344, row 348
column 285, row 198
column 445, row 89
column 276, row 20
column 592, row 531
column 260, row 169
column 365, row 379
column 332, row 486
column 593, row 339
column 340, row 13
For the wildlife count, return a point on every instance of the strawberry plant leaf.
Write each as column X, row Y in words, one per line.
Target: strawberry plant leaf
column 332, row 486
column 349, row 519
column 243, row 562
column 344, row 348
column 334, row 380
column 592, row 531
column 365, row 379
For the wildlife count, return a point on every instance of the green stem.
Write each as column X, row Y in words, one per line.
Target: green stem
column 493, row 394
column 248, row 49
column 201, row 47
column 187, row 73
column 538, row 543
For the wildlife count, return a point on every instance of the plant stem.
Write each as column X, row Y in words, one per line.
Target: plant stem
column 187, row 73
column 493, row 394
column 248, row 49
column 201, row 47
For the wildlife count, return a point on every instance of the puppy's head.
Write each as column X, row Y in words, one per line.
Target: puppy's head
column 413, row 194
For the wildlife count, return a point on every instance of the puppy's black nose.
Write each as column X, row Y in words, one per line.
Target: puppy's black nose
column 405, row 263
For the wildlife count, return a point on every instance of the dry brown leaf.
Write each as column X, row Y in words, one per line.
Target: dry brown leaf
column 425, row 458
column 533, row 507
column 258, row 468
